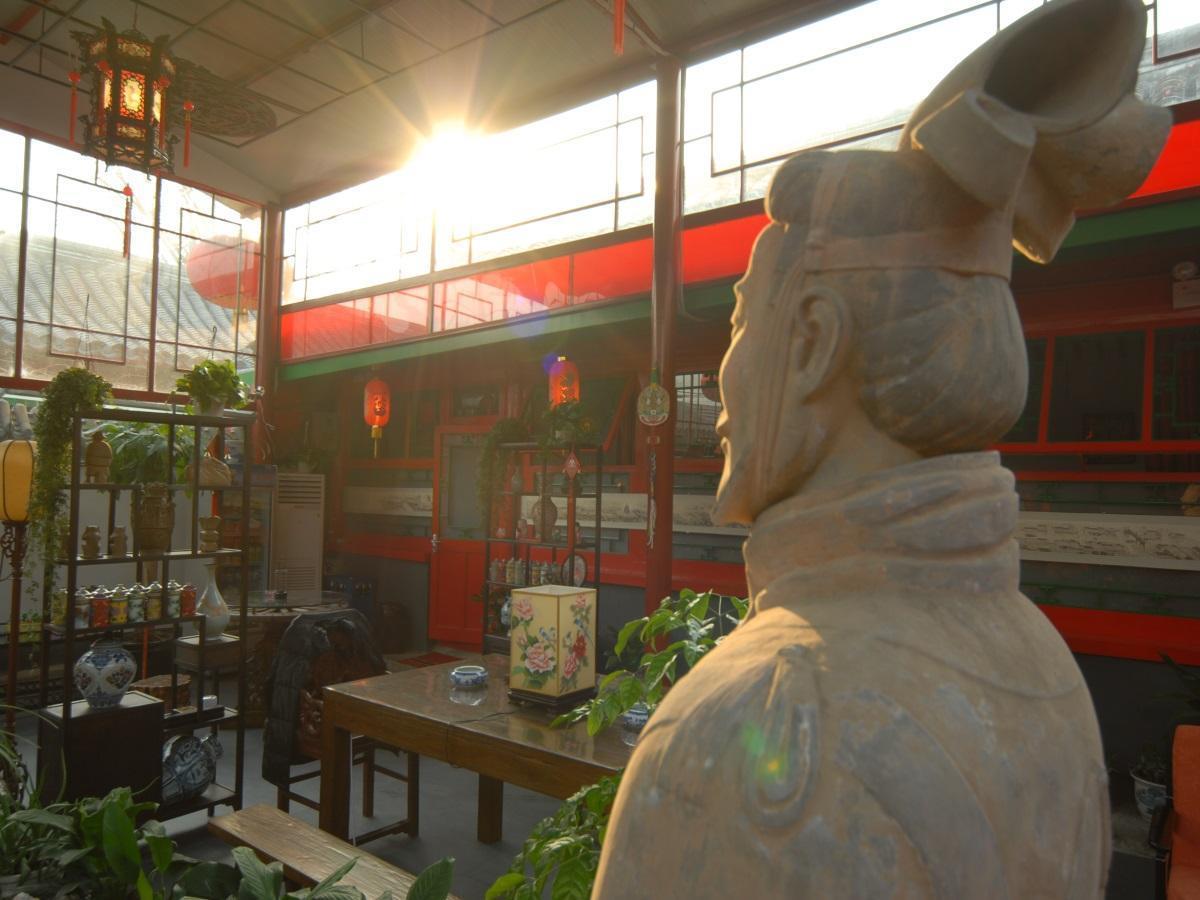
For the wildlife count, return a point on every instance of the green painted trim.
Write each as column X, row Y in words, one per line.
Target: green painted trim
column 1125, row 224
column 517, row 329
column 1138, row 222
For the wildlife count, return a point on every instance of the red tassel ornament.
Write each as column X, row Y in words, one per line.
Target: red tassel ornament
column 619, row 27
column 73, row 77
column 128, row 192
column 188, row 106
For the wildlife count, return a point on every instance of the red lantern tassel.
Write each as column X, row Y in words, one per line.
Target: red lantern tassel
column 619, row 27
column 73, row 77
column 128, row 192
column 188, row 106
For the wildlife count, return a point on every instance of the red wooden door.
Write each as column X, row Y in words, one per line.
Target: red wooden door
column 456, row 562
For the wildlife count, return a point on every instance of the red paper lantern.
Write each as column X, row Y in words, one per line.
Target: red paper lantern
column 377, row 408
column 225, row 272
column 564, row 382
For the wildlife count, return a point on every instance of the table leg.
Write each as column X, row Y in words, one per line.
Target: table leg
column 335, row 779
column 491, row 810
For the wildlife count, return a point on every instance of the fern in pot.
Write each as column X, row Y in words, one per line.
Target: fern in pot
column 213, row 386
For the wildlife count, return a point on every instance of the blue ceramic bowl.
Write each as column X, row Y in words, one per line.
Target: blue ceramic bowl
column 468, row 676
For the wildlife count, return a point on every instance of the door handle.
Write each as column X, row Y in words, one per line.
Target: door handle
column 433, row 543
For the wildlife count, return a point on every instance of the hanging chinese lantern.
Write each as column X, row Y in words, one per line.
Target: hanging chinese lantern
column 129, row 74
column 377, row 408
column 564, row 382
column 226, row 271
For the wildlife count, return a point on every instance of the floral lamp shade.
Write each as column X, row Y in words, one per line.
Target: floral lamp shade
column 552, row 635
column 16, row 480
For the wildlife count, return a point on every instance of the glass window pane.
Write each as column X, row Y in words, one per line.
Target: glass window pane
column 12, row 161
column 1026, row 428
column 856, row 26
column 1096, row 392
column 10, row 245
column 697, row 405
column 1177, row 384
column 700, row 83
column 886, row 80
column 700, row 189
column 1178, row 23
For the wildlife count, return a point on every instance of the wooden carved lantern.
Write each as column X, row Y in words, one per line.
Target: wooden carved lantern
column 564, row 382
column 377, row 408
column 129, row 74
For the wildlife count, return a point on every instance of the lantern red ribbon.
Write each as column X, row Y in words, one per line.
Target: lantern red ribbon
column 188, row 106
column 619, row 27
column 128, row 192
column 73, row 77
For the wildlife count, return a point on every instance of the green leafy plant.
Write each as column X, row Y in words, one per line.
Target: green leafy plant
column 563, row 851
column 493, row 462
column 70, row 391
column 213, row 383
column 687, row 627
column 140, row 452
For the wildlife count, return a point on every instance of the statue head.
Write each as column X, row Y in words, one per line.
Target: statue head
column 875, row 325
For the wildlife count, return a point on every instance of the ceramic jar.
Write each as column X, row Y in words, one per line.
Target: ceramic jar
column 212, row 605
column 91, row 543
column 187, row 600
column 154, row 517
column 189, row 766
column 103, row 674
column 97, row 458
column 83, row 608
column 210, row 533
column 171, row 598
column 118, row 542
column 101, row 604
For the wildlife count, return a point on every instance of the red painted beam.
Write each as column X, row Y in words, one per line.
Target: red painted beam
column 1127, row 635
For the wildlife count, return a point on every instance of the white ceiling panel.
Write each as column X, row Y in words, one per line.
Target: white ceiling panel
column 444, row 23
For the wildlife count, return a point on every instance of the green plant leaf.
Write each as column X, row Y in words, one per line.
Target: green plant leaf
column 209, row 881
column 434, row 882
column 120, row 843
column 43, row 817
column 259, row 881
column 333, row 877
column 628, row 630
column 574, row 879
column 504, row 886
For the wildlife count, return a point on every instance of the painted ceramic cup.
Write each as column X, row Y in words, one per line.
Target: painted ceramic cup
column 103, row 674
column 468, row 676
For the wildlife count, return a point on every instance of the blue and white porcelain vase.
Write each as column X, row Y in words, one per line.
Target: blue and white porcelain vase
column 189, row 766
column 103, row 674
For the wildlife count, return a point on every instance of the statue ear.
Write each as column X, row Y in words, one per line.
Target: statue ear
column 819, row 341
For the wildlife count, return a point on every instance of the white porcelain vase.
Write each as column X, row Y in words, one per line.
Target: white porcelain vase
column 212, row 605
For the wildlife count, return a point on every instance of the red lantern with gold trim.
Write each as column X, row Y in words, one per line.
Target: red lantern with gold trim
column 377, row 408
column 564, row 382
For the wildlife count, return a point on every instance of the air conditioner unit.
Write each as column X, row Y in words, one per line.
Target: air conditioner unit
column 297, row 541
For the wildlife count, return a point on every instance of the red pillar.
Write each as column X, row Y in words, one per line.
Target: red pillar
column 664, row 300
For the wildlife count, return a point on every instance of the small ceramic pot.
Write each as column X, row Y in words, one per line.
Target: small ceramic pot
column 468, row 676
column 103, row 674
column 189, row 766
column 633, row 720
column 1149, row 796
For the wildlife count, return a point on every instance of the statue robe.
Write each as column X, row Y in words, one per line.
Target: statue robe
column 893, row 718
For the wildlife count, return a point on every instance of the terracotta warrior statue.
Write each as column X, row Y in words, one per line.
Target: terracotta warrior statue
column 894, row 719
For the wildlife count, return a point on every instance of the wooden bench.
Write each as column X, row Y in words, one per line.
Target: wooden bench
column 307, row 853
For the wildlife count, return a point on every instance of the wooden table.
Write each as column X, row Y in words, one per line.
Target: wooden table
column 501, row 741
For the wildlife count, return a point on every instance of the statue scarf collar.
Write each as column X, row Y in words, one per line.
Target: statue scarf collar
column 943, row 524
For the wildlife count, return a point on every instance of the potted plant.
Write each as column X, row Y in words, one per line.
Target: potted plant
column 1149, row 776
column 70, row 392
column 213, row 386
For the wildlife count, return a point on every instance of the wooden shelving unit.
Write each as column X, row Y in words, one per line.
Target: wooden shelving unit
column 548, row 461
column 69, row 636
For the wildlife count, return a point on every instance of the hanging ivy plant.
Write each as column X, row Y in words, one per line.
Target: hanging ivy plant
column 70, row 392
column 493, row 462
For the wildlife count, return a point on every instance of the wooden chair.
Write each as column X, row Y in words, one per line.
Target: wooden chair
column 1175, row 829
column 342, row 651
